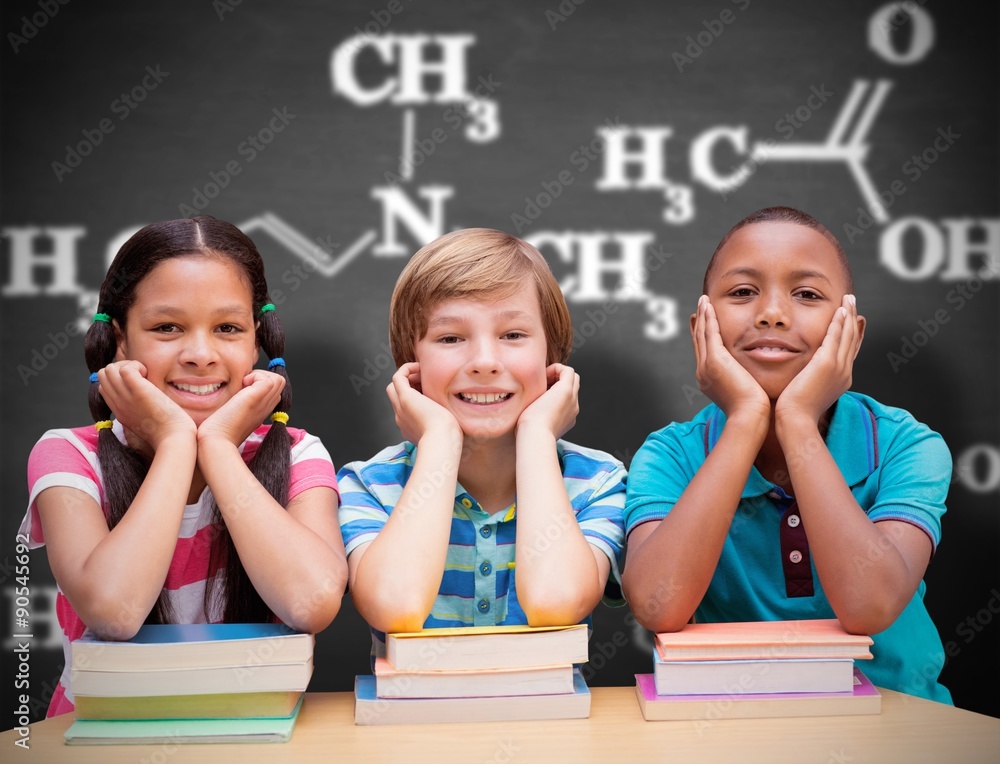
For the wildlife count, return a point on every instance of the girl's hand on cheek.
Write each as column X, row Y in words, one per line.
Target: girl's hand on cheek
column 416, row 414
column 148, row 415
column 245, row 411
column 556, row 409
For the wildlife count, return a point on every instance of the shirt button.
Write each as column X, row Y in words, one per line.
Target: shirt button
column 485, row 568
column 485, row 531
column 484, row 606
column 467, row 503
column 795, row 556
column 793, row 521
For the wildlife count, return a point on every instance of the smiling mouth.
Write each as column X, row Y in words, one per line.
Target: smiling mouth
column 197, row 389
column 484, row 399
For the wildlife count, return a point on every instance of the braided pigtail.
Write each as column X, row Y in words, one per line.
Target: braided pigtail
column 271, row 465
column 123, row 468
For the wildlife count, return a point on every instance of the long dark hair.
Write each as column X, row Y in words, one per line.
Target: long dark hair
column 123, row 467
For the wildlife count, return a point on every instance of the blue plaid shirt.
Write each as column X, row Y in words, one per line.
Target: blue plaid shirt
column 479, row 585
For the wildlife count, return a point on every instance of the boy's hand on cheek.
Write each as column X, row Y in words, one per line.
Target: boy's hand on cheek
column 244, row 412
column 720, row 376
column 144, row 410
column 829, row 372
column 556, row 409
column 416, row 414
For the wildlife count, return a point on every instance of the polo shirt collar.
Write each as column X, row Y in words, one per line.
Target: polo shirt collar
column 852, row 439
column 463, row 497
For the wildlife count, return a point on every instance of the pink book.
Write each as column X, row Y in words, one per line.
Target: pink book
column 762, row 640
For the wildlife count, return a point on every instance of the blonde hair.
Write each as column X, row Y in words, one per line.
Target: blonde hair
column 478, row 263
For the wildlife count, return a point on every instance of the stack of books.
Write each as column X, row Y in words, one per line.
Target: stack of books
column 476, row 674
column 711, row 671
column 190, row 683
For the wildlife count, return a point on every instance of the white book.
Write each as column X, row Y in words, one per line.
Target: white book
column 371, row 710
column 280, row 677
column 745, row 677
column 472, row 683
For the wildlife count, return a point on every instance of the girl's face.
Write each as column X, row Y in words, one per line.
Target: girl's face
column 192, row 326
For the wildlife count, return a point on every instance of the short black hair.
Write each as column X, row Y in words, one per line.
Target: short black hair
column 783, row 215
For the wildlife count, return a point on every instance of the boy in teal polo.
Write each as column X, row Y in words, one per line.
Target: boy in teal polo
column 789, row 497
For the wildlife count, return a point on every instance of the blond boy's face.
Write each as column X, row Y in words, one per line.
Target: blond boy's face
column 775, row 288
column 484, row 360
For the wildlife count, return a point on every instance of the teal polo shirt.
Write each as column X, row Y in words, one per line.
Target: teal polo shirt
column 897, row 469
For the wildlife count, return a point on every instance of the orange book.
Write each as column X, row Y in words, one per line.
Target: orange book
column 762, row 640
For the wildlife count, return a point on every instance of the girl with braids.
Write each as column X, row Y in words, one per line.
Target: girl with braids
column 177, row 506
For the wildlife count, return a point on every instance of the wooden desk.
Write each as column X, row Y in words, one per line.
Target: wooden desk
column 908, row 730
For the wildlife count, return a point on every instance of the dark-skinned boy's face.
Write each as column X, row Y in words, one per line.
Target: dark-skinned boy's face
column 775, row 288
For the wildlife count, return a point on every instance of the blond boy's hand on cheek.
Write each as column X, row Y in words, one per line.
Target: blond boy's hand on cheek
column 828, row 374
column 556, row 409
column 720, row 376
column 144, row 410
column 416, row 414
column 244, row 412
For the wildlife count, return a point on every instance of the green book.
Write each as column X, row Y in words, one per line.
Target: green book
column 151, row 731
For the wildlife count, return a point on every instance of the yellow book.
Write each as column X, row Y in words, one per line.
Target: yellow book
column 486, row 647
column 230, row 705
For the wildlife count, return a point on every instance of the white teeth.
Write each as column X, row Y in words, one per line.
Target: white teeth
column 198, row 389
column 484, row 397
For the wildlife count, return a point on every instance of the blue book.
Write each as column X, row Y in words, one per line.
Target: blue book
column 371, row 710
column 193, row 645
column 152, row 731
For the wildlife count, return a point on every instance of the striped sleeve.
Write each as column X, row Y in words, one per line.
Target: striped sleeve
column 595, row 483
column 368, row 492
column 63, row 458
column 913, row 478
column 311, row 465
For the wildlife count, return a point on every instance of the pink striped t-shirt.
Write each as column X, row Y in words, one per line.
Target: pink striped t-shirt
column 69, row 458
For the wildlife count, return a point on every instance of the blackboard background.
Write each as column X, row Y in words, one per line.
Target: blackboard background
column 604, row 61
